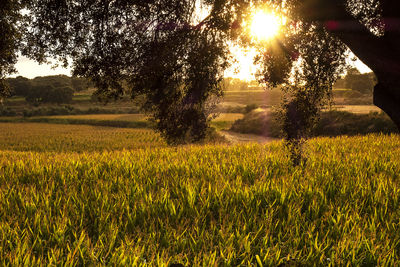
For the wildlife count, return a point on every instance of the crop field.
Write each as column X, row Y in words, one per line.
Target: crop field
column 139, row 117
column 259, row 97
column 139, row 121
column 273, row 97
column 358, row 109
column 42, row 137
column 212, row 205
column 117, row 117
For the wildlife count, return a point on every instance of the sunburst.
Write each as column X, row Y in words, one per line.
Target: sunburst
column 264, row 25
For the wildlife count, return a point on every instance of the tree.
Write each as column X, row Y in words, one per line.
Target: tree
column 371, row 30
column 156, row 48
column 10, row 17
column 22, row 86
column 39, row 94
column 162, row 49
column 363, row 83
column 79, row 84
column 19, row 86
column 53, row 80
column 235, row 84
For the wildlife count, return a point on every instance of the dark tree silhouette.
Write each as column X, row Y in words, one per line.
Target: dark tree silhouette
column 9, row 40
column 18, row 86
column 39, row 94
column 162, row 50
column 371, row 29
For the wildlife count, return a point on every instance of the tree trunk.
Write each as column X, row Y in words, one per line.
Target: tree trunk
column 382, row 56
column 380, row 53
column 388, row 99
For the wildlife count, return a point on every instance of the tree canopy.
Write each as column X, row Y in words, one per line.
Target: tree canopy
column 49, row 89
column 363, row 83
column 169, row 52
column 10, row 19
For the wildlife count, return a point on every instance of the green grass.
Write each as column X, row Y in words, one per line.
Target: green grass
column 15, row 99
column 203, row 205
column 81, row 97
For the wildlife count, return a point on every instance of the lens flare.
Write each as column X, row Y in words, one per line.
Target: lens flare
column 265, row 26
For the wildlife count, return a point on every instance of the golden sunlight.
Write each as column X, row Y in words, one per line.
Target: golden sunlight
column 264, row 25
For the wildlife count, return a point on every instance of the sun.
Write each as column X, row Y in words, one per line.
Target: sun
column 264, row 25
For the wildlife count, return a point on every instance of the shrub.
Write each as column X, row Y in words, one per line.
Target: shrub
column 20, row 86
column 331, row 123
column 250, row 107
column 334, row 123
column 49, row 94
column 260, row 123
column 7, row 112
column 27, row 113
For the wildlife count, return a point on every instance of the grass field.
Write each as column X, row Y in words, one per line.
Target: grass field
column 140, row 117
column 117, row 117
column 273, row 97
column 232, row 101
column 212, row 205
column 259, row 97
column 137, row 121
column 43, row 137
column 358, row 109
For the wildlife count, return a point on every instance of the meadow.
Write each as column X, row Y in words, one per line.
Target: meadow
column 85, row 195
column 44, row 137
column 75, row 191
column 133, row 121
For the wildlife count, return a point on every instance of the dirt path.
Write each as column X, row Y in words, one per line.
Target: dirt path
column 235, row 138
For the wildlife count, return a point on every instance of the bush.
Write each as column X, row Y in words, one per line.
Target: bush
column 6, row 112
column 66, row 110
column 332, row 123
column 230, row 109
column 20, row 86
column 364, row 83
column 79, row 84
column 49, row 94
column 250, row 107
column 260, row 123
column 27, row 113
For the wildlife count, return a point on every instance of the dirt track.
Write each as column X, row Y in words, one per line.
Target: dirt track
column 235, row 138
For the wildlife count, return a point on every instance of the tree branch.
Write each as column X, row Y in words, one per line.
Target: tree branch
column 380, row 53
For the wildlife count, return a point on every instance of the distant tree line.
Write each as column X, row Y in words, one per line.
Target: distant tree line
column 49, row 89
column 363, row 83
column 236, row 84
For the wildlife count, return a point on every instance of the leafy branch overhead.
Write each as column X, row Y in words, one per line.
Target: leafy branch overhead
column 175, row 52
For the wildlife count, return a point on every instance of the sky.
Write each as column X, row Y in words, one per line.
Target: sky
column 31, row 69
